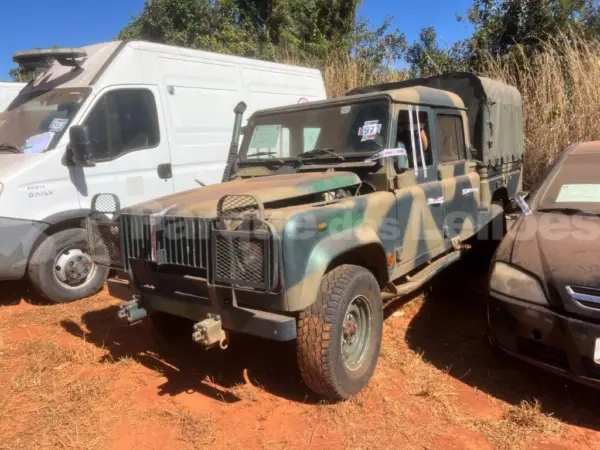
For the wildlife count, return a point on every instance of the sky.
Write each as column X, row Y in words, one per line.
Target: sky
column 76, row 23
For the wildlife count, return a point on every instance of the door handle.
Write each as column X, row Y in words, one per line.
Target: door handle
column 165, row 171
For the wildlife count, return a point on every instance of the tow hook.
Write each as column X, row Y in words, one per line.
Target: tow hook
column 209, row 333
column 132, row 311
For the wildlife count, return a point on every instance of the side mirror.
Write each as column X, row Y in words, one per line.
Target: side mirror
column 521, row 200
column 81, row 146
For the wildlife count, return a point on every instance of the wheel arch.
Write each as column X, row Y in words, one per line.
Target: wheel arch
column 74, row 218
column 357, row 247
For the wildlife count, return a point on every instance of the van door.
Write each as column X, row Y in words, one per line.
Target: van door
column 420, row 205
column 126, row 125
column 458, row 176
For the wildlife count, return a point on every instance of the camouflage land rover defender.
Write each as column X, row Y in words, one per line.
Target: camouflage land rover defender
column 332, row 210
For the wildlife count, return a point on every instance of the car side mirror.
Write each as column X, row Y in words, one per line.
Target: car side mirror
column 521, row 200
column 81, row 145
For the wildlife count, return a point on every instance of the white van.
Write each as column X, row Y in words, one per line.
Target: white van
column 160, row 119
column 8, row 91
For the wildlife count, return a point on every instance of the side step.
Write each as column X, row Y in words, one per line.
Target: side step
column 417, row 281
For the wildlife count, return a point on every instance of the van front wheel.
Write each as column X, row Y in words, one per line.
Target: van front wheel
column 61, row 269
column 339, row 336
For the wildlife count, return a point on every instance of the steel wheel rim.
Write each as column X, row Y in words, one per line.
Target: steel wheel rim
column 356, row 332
column 73, row 268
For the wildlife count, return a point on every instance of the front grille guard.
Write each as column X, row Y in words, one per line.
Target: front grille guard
column 244, row 257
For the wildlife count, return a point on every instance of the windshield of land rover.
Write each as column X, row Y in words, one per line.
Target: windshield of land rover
column 343, row 129
column 35, row 120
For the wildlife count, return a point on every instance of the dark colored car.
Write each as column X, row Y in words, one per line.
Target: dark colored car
column 544, row 302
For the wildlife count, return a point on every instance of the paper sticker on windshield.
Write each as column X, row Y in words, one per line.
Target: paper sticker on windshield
column 345, row 109
column 57, row 125
column 38, row 143
column 579, row 193
column 265, row 136
column 388, row 153
column 369, row 130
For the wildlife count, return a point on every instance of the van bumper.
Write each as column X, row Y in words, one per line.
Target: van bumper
column 539, row 336
column 17, row 237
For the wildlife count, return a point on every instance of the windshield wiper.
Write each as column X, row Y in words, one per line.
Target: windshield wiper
column 321, row 151
column 9, row 146
column 568, row 211
column 270, row 154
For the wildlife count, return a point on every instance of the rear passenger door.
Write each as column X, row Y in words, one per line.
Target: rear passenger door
column 458, row 176
column 420, row 206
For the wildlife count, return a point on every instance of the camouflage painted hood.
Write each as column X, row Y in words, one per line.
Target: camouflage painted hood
column 203, row 201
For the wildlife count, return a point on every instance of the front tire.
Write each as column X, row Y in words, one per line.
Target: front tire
column 339, row 336
column 61, row 270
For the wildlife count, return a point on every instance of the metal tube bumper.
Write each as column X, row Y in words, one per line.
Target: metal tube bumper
column 254, row 322
column 560, row 344
column 17, row 237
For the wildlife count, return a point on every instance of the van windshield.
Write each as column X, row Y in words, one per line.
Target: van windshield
column 35, row 121
column 343, row 129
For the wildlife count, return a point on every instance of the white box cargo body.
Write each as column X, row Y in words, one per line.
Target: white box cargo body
column 162, row 118
column 8, row 91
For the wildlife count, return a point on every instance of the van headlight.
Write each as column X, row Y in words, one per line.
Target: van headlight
column 515, row 283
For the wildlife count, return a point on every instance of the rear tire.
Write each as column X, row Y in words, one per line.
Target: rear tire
column 339, row 336
column 43, row 267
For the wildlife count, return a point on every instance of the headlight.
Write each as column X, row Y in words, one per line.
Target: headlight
column 510, row 281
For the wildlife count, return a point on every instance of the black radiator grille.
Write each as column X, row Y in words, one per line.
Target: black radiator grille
column 182, row 241
column 178, row 240
column 137, row 237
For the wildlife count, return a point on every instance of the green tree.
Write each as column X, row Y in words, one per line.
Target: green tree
column 426, row 57
column 268, row 29
column 503, row 25
column 22, row 75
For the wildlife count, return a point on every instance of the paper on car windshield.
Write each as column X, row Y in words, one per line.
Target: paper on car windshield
column 579, row 193
column 265, row 136
column 57, row 125
column 38, row 143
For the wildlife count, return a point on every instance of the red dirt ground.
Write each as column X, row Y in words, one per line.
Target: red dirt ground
column 74, row 376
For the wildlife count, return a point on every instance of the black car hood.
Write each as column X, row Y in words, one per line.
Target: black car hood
column 561, row 251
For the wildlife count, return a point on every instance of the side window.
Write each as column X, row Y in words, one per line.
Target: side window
column 123, row 121
column 451, row 138
column 404, row 140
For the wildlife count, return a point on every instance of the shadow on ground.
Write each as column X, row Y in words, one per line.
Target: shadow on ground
column 450, row 331
column 187, row 367
column 13, row 292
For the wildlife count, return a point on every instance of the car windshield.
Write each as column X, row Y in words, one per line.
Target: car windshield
column 326, row 131
column 573, row 185
column 35, row 120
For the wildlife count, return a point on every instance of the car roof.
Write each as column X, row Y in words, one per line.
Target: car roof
column 418, row 95
column 585, row 147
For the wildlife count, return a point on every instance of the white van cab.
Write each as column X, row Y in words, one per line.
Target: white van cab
column 160, row 121
column 8, row 91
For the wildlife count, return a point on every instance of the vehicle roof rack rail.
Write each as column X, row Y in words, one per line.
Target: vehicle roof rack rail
column 43, row 58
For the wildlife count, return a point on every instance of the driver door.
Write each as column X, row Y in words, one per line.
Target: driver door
column 127, row 127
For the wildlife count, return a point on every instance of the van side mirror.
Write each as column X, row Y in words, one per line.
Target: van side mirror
column 81, row 145
column 521, row 200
